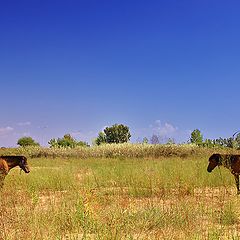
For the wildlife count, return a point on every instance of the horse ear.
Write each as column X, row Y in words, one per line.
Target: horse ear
column 22, row 160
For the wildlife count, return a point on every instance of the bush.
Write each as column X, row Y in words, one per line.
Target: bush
column 66, row 141
column 100, row 139
column 196, row 137
column 27, row 141
column 118, row 133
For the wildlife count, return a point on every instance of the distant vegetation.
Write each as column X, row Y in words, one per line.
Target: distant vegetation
column 66, row 141
column 27, row 141
column 196, row 137
column 119, row 133
column 231, row 142
column 123, row 150
column 116, row 198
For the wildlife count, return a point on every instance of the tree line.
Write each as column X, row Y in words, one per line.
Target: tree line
column 231, row 142
column 119, row 133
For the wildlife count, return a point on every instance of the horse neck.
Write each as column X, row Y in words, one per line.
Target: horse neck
column 226, row 162
column 12, row 163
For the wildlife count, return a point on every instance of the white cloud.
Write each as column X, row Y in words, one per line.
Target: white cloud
column 84, row 136
column 24, row 123
column 163, row 130
column 5, row 131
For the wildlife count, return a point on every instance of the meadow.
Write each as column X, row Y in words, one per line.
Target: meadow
column 114, row 192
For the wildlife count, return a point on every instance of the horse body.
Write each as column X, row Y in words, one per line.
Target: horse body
column 9, row 162
column 229, row 161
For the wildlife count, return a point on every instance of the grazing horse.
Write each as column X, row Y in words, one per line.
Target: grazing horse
column 229, row 161
column 9, row 162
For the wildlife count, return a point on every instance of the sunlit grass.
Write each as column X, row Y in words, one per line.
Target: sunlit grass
column 119, row 198
column 125, row 150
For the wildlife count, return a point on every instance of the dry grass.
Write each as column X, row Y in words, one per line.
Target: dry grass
column 116, row 198
column 126, row 150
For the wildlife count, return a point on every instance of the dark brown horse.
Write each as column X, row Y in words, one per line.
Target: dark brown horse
column 9, row 162
column 229, row 161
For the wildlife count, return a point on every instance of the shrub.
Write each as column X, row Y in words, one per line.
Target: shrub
column 27, row 141
column 196, row 137
column 66, row 141
column 118, row 133
column 101, row 138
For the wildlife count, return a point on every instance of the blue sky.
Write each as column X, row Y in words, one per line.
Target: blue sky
column 160, row 67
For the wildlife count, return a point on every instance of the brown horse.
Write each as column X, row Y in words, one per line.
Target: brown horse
column 229, row 161
column 9, row 162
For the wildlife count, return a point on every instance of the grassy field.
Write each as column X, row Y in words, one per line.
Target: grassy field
column 119, row 198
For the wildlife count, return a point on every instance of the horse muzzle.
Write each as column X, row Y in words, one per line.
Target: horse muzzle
column 209, row 170
column 26, row 169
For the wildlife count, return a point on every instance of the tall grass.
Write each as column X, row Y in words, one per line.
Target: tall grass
column 119, row 198
column 126, row 150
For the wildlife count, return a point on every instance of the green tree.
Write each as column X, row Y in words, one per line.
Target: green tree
column 118, row 133
column 208, row 143
column 101, row 138
column 27, row 141
column 225, row 142
column 237, row 141
column 53, row 142
column 66, row 141
column 196, row 137
column 170, row 141
column 82, row 144
column 231, row 143
column 145, row 140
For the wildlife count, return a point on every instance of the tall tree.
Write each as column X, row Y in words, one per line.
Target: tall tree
column 118, row 133
column 26, row 141
column 237, row 139
column 196, row 137
column 66, row 141
column 100, row 139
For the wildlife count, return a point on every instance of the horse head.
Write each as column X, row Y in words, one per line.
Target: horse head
column 214, row 160
column 23, row 164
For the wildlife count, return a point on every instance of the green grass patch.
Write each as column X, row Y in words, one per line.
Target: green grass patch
column 119, row 198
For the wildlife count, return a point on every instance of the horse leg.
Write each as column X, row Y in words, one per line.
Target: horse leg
column 237, row 183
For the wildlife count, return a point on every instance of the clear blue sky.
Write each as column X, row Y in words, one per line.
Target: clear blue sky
column 162, row 67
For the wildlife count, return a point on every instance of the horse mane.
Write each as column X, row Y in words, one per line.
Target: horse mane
column 9, row 158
